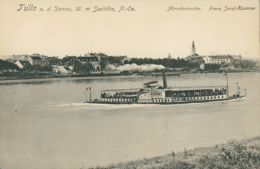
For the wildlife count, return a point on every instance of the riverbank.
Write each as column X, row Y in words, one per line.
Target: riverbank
column 242, row 154
column 55, row 76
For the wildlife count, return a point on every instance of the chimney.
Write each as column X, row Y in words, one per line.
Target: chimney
column 164, row 79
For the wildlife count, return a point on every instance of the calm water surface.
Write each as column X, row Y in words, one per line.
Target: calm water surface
column 45, row 124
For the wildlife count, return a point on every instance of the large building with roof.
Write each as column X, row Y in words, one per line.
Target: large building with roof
column 217, row 59
column 36, row 60
column 93, row 59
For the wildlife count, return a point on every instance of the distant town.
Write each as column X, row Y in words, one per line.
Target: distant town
column 99, row 64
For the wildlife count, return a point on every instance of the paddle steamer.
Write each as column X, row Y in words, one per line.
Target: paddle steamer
column 152, row 93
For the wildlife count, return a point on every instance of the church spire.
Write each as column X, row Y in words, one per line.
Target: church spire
column 193, row 51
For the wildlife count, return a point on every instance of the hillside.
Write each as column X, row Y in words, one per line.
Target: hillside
column 234, row 154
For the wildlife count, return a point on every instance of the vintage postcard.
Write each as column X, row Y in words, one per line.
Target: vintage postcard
column 129, row 84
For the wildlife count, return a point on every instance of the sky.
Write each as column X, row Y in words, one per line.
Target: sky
column 149, row 31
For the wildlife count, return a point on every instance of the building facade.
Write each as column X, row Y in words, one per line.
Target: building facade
column 93, row 59
column 217, row 59
column 36, row 60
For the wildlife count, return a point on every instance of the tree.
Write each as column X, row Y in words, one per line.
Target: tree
column 103, row 63
column 28, row 68
column 248, row 63
column 211, row 67
column 83, row 67
column 4, row 65
column 46, row 69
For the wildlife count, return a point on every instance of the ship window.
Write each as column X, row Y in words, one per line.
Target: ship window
column 222, row 96
column 211, row 97
column 214, row 97
column 207, row 97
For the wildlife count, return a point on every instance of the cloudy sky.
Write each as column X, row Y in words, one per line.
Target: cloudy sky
column 149, row 31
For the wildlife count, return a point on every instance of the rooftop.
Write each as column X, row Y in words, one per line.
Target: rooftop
column 25, row 63
column 36, row 58
column 220, row 57
column 122, row 90
column 195, row 88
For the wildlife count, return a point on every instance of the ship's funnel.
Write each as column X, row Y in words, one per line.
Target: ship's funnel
column 164, row 79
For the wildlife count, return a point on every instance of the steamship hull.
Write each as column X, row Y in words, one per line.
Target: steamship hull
column 165, row 102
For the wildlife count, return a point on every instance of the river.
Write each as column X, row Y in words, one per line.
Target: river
column 45, row 124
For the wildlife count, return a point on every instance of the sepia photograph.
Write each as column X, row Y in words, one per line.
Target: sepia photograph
column 128, row 84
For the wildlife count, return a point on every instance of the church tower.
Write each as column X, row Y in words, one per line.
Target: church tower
column 193, row 52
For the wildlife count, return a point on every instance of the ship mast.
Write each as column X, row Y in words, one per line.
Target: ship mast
column 238, row 92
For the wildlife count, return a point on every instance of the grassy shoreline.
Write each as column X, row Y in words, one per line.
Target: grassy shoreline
column 233, row 154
